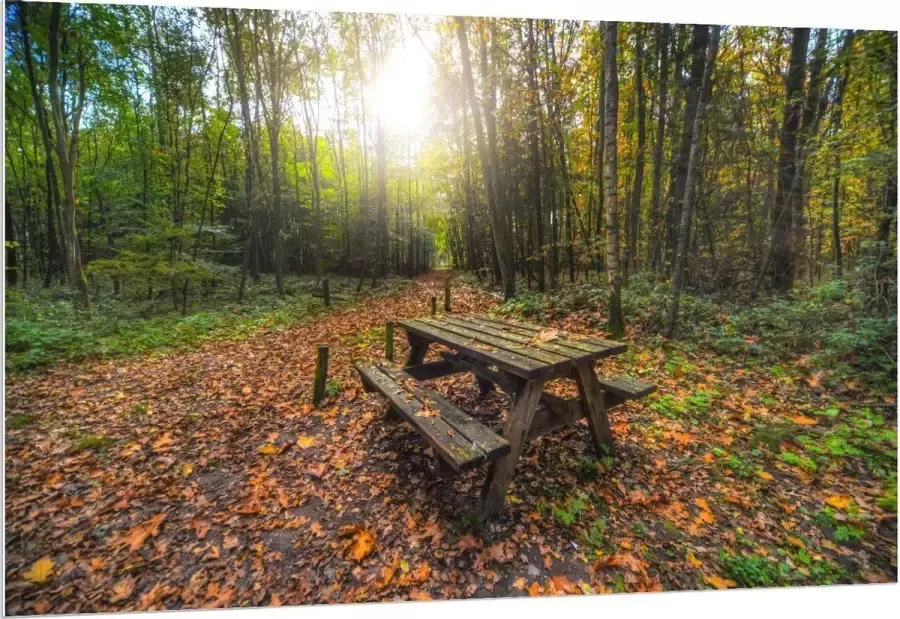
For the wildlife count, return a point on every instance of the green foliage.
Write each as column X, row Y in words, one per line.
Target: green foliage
column 333, row 387
column 42, row 326
column 574, row 507
column 753, row 570
column 92, row 443
column 595, row 535
column 19, row 421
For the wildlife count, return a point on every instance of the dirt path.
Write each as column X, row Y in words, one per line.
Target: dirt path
column 205, row 480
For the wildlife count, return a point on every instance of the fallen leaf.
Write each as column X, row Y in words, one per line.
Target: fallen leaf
column 41, row 570
column 534, row 589
column 693, row 561
column 702, row 504
column 803, row 420
column 246, row 390
column 562, row 583
column 519, row 583
column 419, row 595
column 267, row 450
column 839, row 501
column 719, row 582
column 362, row 546
column 765, row 475
column 795, row 541
column 122, row 590
column 468, row 541
column 422, row 573
column 305, row 442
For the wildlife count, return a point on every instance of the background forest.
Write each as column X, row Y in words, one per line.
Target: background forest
column 165, row 162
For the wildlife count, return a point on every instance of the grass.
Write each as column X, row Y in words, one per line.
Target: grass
column 92, row 443
column 43, row 328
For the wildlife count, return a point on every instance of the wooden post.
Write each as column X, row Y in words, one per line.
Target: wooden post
column 447, row 295
column 389, row 341
column 433, row 306
column 321, row 375
column 325, row 294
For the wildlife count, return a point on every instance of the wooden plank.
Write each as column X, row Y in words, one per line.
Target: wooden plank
column 557, row 346
column 626, row 386
column 518, row 424
column 459, row 452
column 526, row 350
column 480, row 435
column 594, row 406
column 603, row 348
column 513, row 363
column 510, row 384
column 433, row 369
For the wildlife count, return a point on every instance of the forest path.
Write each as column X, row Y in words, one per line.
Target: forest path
column 206, row 480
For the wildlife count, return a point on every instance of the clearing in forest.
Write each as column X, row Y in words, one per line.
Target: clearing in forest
column 206, row 479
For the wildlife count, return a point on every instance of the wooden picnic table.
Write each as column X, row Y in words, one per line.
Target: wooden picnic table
column 520, row 359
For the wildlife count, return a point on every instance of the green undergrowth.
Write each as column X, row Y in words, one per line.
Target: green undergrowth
column 42, row 326
column 833, row 326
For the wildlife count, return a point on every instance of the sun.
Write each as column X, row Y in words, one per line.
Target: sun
column 400, row 93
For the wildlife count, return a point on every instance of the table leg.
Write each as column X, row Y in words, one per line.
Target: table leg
column 417, row 349
column 484, row 385
column 594, row 407
column 501, row 471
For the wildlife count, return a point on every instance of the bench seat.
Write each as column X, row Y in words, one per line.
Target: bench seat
column 626, row 387
column 458, row 439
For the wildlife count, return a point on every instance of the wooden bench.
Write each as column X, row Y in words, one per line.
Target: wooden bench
column 458, row 440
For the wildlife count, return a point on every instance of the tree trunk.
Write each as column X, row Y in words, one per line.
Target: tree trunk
column 781, row 267
column 693, row 167
column 837, row 116
column 489, row 174
column 613, row 274
column 535, row 156
column 634, row 211
column 654, row 237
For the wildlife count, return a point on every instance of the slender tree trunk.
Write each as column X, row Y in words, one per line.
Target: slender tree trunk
column 67, row 131
column 693, row 168
column 654, row 237
column 781, row 266
column 634, row 211
column 613, row 273
column 837, row 116
column 489, row 174
column 535, row 155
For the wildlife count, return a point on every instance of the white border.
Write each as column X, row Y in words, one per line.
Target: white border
column 844, row 602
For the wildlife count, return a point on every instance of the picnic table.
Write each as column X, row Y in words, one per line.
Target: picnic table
column 517, row 357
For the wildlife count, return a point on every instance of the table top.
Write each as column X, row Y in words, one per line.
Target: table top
column 522, row 349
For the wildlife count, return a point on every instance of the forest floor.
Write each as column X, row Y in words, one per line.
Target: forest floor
column 205, row 479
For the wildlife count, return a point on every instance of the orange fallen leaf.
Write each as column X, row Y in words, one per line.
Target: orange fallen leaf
column 267, row 450
column 41, row 570
column 563, row 583
column 702, row 504
column 719, row 582
column 803, row 420
column 362, row 546
column 519, row 583
column 534, row 589
column 387, row 575
column 795, row 541
column 419, row 595
column 765, row 475
column 839, row 501
column 422, row 573
column 122, row 590
column 246, row 390
column 693, row 561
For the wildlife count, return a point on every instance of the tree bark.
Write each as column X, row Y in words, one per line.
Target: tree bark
column 613, row 274
column 781, row 267
column 663, row 34
column 693, row 167
column 489, row 174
